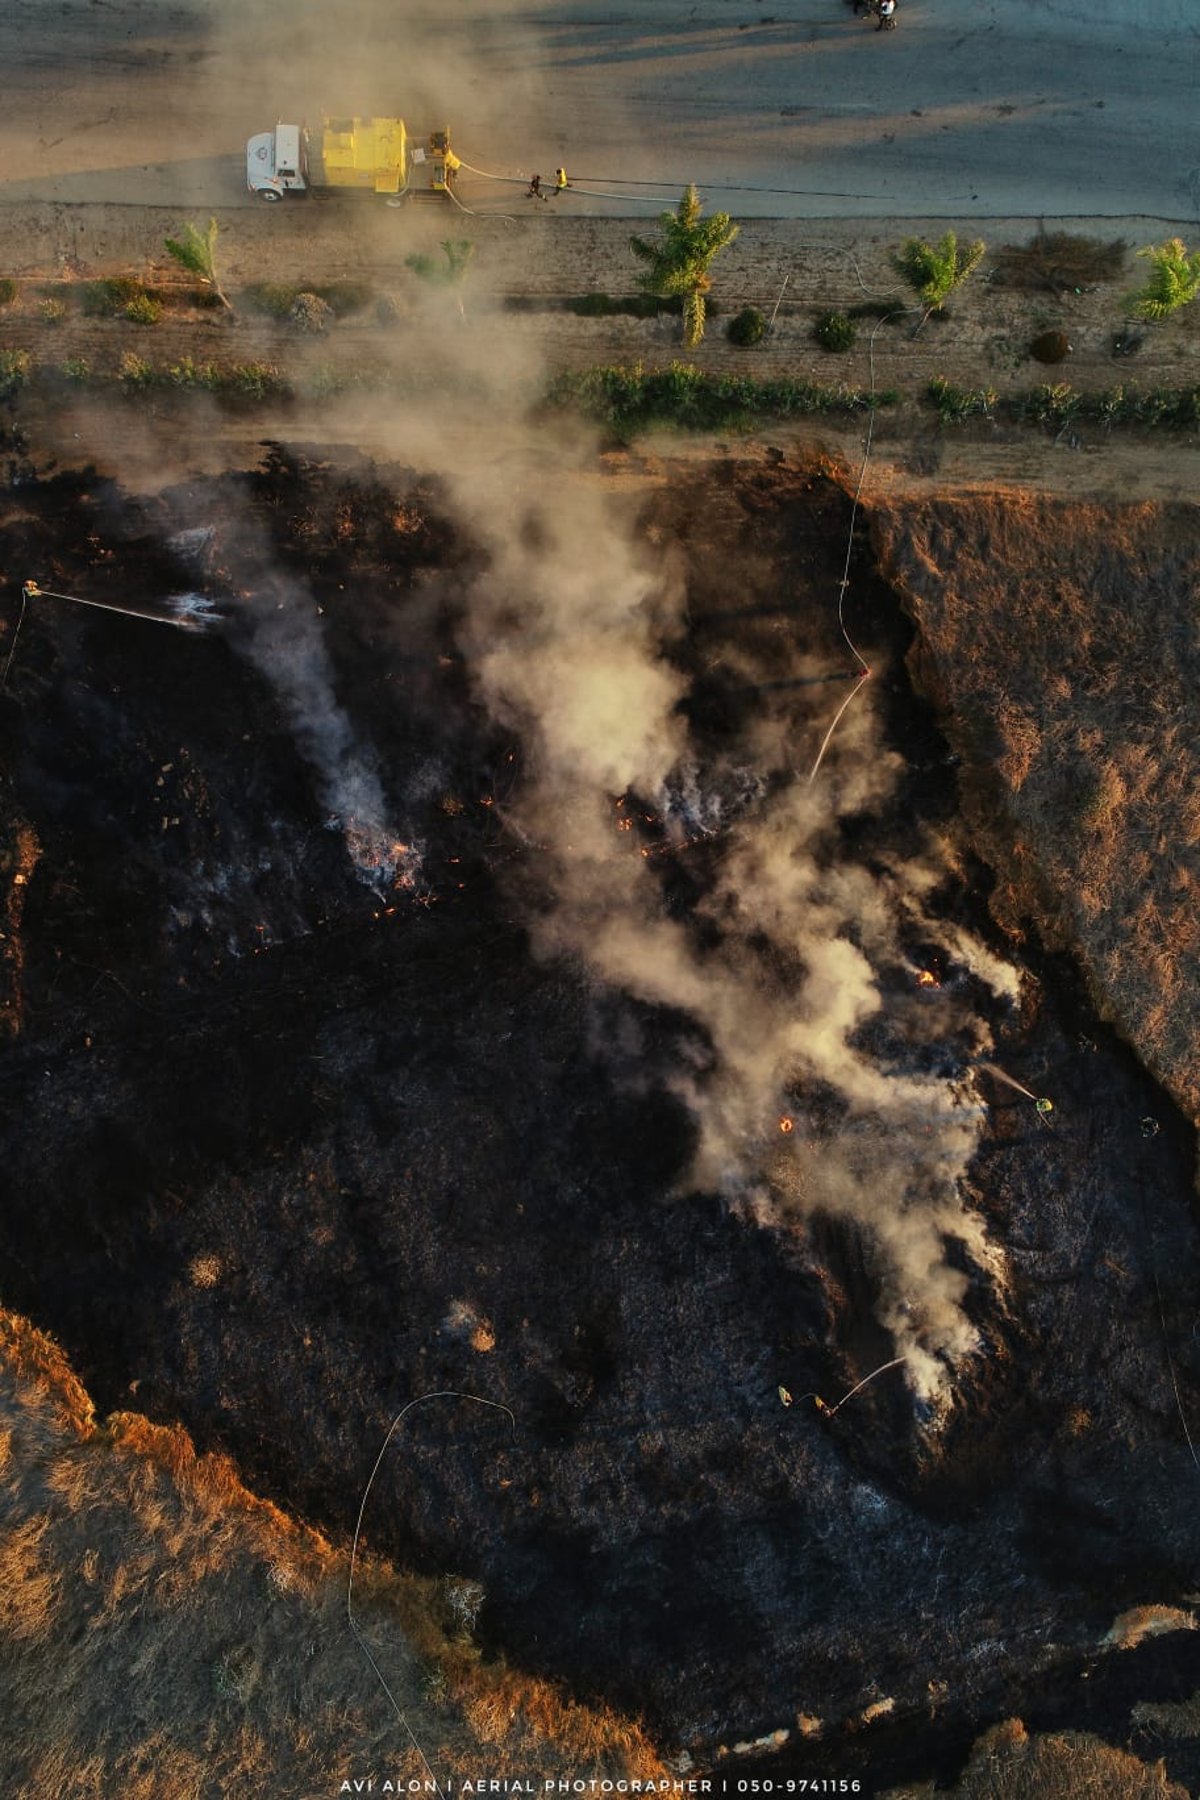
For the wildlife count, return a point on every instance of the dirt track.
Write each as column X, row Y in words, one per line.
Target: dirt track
column 1007, row 107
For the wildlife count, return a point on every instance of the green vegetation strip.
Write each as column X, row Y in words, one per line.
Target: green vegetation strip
column 630, row 399
column 1058, row 404
column 627, row 400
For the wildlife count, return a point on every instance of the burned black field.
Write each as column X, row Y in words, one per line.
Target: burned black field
column 296, row 1131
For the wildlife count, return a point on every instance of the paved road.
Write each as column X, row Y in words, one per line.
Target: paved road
column 776, row 107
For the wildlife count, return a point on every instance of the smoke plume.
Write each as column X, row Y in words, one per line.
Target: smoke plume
column 805, row 1007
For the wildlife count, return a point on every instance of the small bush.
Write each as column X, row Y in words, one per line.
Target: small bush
column 345, row 297
column 15, row 366
column 8, row 290
column 274, row 298
column 386, row 310
column 143, row 309
column 53, row 310
column 76, row 368
column 308, row 312
column 1050, row 347
column 835, row 331
column 1051, row 405
column 187, row 373
column 105, row 299
column 954, row 404
column 136, row 372
column 254, row 380
column 746, row 328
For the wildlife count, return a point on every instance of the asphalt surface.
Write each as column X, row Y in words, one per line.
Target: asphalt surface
column 1006, row 108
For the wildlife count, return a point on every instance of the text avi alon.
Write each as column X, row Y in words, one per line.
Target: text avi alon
column 548, row 1787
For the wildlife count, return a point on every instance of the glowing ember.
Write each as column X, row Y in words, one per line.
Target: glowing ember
column 785, row 1125
column 927, row 979
column 379, row 859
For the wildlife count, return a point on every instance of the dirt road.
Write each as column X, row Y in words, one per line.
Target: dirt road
column 1002, row 108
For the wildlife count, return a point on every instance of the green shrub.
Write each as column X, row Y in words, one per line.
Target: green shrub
column 53, row 310
column 835, row 331
column 955, row 404
column 136, row 372
column 188, row 373
column 253, row 380
column 1051, row 405
column 273, row 298
column 143, row 309
column 76, row 368
column 15, row 367
column 630, row 399
column 386, row 310
column 8, row 290
column 105, row 299
column 746, row 328
column 345, row 297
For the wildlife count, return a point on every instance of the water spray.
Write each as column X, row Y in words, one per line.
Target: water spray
column 1044, row 1107
column 190, row 615
column 831, row 1412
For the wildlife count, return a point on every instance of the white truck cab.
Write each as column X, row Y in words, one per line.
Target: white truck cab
column 277, row 162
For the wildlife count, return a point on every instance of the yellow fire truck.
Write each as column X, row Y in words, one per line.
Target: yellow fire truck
column 373, row 155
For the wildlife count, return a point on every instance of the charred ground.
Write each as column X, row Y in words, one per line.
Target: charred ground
column 281, row 1152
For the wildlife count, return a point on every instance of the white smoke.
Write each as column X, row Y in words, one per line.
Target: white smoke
column 288, row 645
column 794, row 945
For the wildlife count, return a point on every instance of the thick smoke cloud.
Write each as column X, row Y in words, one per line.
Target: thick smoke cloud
column 796, row 954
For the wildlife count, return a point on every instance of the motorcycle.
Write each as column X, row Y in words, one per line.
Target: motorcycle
column 883, row 10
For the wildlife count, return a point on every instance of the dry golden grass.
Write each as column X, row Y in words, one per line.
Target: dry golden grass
column 1133, row 1627
column 1008, row 1764
column 1061, row 640
column 18, row 860
column 163, row 1631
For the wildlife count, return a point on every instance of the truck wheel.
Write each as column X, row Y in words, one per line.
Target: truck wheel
column 269, row 194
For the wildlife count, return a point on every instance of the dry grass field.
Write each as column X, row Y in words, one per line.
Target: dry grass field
column 1060, row 642
column 163, row 1632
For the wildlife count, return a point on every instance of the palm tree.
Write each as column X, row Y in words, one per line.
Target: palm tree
column 196, row 251
column 678, row 263
column 1174, row 281
column 935, row 270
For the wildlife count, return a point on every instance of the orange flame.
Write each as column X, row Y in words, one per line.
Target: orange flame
column 785, row 1125
column 927, row 978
